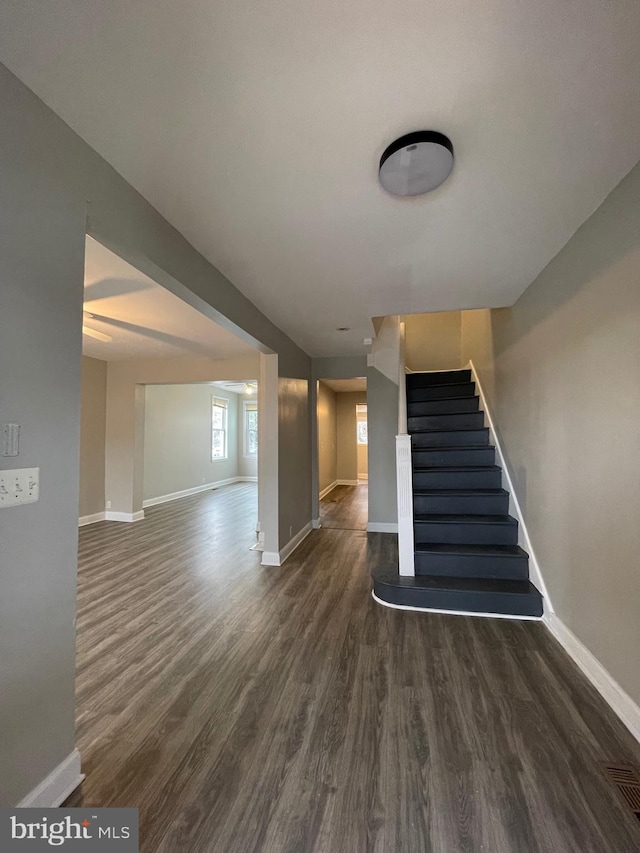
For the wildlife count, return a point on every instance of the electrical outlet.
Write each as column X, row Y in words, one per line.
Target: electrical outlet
column 108, row 504
column 19, row 486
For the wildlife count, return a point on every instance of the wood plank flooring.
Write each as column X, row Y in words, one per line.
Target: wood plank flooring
column 345, row 508
column 282, row 710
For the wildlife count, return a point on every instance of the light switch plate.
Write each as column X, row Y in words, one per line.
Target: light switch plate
column 10, row 440
column 19, row 486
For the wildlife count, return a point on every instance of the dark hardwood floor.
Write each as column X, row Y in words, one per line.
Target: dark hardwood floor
column 345, row 508
column 282, row 710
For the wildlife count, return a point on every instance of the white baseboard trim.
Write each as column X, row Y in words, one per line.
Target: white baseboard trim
column 620, row 701
column 315, row 523
column 381, row 527
column 57, row 786
column 329, row 488
column 535, row 572
column 91, row 519
column 259, row 546
column 346, row 482
column 195, row 490
column 129, row 517
column 275, row 558
column 454, row 612
column 291, row 546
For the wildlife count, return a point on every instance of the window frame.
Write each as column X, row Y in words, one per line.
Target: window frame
column 361, row 417
column 220, row 403
column 249, row 406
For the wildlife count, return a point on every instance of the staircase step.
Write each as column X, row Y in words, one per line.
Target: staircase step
column 443, row 377
column 473, row 561
column 460, row 501
column 470, row 595
column 451, row 438
column 465, row 529
column 440, row 392
column 447, row 457
column 451, row 405
column 458, row 477
column 453, row 420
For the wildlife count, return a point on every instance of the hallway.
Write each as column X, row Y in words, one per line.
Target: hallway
column 244, row 708
column 345, row 508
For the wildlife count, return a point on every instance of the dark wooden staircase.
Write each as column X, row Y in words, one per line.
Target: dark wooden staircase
column 467, row 556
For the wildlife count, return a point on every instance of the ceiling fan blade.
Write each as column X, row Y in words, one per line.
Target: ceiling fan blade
column 162, row 337
column 99, row 336
column 106, row 288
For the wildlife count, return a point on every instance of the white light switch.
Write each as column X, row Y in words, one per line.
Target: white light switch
column 19, row 486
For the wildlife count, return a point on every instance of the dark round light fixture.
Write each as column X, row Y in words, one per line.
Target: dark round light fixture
column 416, row 163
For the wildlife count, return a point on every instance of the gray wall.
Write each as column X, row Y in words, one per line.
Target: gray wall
column 55, row 188
column 382, row 413
column 432, row 341
column 477, row 345
column 177, row 438
column 41, row 278
column 347, row 468
column 93, row 417
column 327, row 436
column 294, row 457
column 566, row 373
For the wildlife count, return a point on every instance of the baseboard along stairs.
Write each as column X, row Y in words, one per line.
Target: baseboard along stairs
column 467, row 557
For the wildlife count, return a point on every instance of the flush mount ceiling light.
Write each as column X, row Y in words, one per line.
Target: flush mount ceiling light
column 416, row 163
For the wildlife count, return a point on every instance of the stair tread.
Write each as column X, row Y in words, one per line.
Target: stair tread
column 439, row 414
column 455, row 447
column 473, row 550
column 411, row 413
column 449, row 429
column 455, row 468
column 457, row 584
column 450, row 372
column 446, row 429
column 448, row 384
column 439, row 399
column 459, row 492
column 465, row 519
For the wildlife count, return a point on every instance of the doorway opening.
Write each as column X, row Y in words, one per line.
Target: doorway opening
column 153, row 366
column 342, row 453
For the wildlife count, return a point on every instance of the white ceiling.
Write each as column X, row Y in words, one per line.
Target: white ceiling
column 144, row 319
column 345, row 385
column 256, row 130
column 240, row 388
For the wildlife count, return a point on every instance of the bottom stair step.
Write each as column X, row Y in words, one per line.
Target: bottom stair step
column 471, row 595
column 508, row 562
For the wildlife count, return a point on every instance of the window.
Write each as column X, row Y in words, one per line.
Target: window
column 219, row 429
column 361, row 424
column 250, row 430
